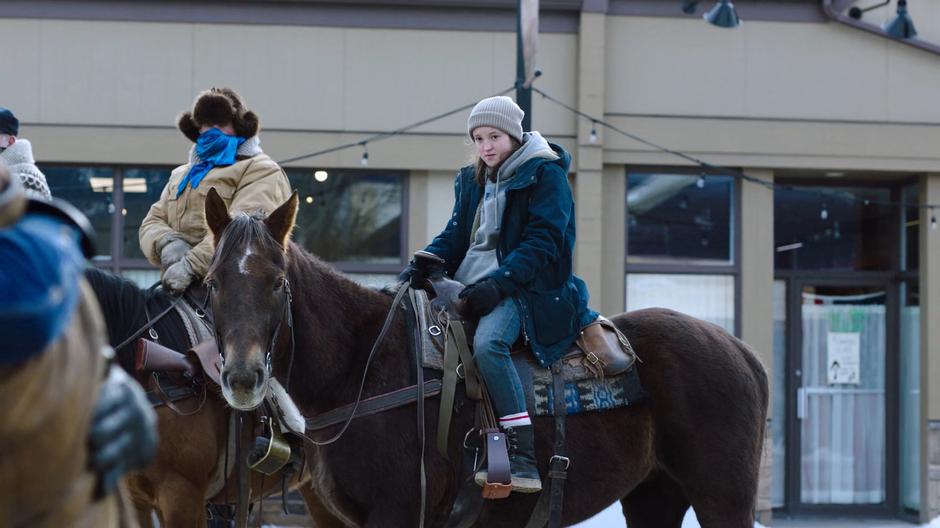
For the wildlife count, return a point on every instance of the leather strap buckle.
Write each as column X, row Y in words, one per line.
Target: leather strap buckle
column 560, row 458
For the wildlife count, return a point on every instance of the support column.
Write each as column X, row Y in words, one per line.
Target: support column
column 756, row 307
column 588, row 185
column 929, row 350
column 430, row 202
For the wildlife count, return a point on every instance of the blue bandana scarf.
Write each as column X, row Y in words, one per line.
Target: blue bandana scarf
column 214, row 148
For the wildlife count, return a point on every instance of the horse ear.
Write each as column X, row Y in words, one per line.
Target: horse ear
column 216, row 213
column 281, row 222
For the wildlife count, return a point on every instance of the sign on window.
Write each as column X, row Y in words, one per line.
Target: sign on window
column 843, row 358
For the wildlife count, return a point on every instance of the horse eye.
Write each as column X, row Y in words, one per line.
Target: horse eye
column 281, row 282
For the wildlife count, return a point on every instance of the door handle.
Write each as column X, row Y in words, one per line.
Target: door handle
column 800, row 403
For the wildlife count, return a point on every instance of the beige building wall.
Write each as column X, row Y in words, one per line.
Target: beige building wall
column 313, row 87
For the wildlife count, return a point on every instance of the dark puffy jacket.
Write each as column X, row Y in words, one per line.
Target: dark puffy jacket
column 535, row 250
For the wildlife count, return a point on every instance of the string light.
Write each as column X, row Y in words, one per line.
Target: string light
column 700, row 182
column 824, row 213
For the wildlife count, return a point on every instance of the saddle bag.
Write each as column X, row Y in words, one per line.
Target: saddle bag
column 607, row 351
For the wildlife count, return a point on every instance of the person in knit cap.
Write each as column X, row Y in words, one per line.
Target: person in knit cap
column 227, row 156
column 17, row 154
column 511, row 240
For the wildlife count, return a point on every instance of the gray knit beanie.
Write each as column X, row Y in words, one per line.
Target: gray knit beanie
column 498, row 112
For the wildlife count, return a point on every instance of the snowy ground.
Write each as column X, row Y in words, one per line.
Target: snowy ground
column 613, row 518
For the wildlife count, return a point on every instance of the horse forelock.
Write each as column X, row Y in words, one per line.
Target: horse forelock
column 246, row 232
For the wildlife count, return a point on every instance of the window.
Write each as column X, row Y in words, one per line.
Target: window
column 681, row 244
column 679, row 218
column 352, row 219
column 91, row 190
column 840, row 228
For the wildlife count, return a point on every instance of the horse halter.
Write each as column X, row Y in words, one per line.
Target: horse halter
column 287, row 314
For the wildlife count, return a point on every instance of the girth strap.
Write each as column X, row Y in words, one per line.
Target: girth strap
column 549, row 506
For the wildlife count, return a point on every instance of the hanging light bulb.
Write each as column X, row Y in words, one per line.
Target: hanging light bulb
column 933, row 221
column 593, row 137
column 365, row 156
column 700, row 183
column 824, row 213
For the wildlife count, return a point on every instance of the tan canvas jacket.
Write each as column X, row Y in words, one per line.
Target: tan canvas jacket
column 252, row 184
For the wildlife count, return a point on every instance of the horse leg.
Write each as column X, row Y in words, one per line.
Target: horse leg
column 656, row 503
column 181, row 504
column 322, row 518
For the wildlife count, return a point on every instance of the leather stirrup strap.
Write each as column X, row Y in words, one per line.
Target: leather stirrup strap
column 549, row 506
column 448, row 391
column 411, row 314
column 456, row 351
column 470, row 373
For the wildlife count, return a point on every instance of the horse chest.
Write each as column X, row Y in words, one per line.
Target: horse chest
column 325, row 486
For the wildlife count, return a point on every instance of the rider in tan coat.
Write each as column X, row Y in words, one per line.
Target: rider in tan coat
column 227, row 156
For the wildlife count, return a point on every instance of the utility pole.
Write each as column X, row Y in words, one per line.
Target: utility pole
column 523, row 93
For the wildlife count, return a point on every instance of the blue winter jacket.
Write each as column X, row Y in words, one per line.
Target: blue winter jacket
column 535, row 250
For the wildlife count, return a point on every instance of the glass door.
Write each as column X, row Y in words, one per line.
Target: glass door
column 840, row 394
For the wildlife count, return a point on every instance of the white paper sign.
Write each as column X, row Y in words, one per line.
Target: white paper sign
column 843, row 358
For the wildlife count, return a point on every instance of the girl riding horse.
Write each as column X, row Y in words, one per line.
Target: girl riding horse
column 511, row 239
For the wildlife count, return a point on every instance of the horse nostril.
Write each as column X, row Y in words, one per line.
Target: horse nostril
column 225, row 379
column 259, row 377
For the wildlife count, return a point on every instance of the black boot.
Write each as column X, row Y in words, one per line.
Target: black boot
column 525, row 472
column 522, row 467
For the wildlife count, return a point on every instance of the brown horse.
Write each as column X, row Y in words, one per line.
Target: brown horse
column 696, row 441
column 191, row 449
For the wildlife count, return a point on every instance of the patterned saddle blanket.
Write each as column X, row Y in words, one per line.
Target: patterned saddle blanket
column 583, row 391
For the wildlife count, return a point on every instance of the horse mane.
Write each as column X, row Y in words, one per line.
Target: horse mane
column 125, row 307
column 249, row 228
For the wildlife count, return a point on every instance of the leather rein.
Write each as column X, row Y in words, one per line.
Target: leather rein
column 287, row 316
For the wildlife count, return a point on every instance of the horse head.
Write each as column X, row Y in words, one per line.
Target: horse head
column 250, row 294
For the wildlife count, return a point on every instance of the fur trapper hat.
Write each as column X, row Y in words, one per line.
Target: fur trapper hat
column 218, row 106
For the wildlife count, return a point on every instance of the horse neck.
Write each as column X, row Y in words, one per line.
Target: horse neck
column 336, row 322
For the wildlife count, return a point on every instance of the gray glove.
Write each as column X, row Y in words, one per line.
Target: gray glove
column 178, row 277
column 173, row 251
column 123, row 435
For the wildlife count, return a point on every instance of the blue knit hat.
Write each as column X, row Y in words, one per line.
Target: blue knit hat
column 9, row 124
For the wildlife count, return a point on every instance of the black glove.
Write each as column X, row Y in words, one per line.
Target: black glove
column 422, row 266
column 414, row 274
column 482, row 297
column 123, row 436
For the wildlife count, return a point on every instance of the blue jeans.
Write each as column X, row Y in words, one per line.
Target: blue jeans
column 495, row 334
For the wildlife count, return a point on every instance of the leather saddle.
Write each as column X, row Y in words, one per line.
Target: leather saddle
column 600, row 349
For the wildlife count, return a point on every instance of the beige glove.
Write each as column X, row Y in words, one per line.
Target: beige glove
column 178, row 277
column 173, row 251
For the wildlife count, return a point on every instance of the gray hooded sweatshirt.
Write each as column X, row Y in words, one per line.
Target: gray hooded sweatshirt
column 481, row 256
